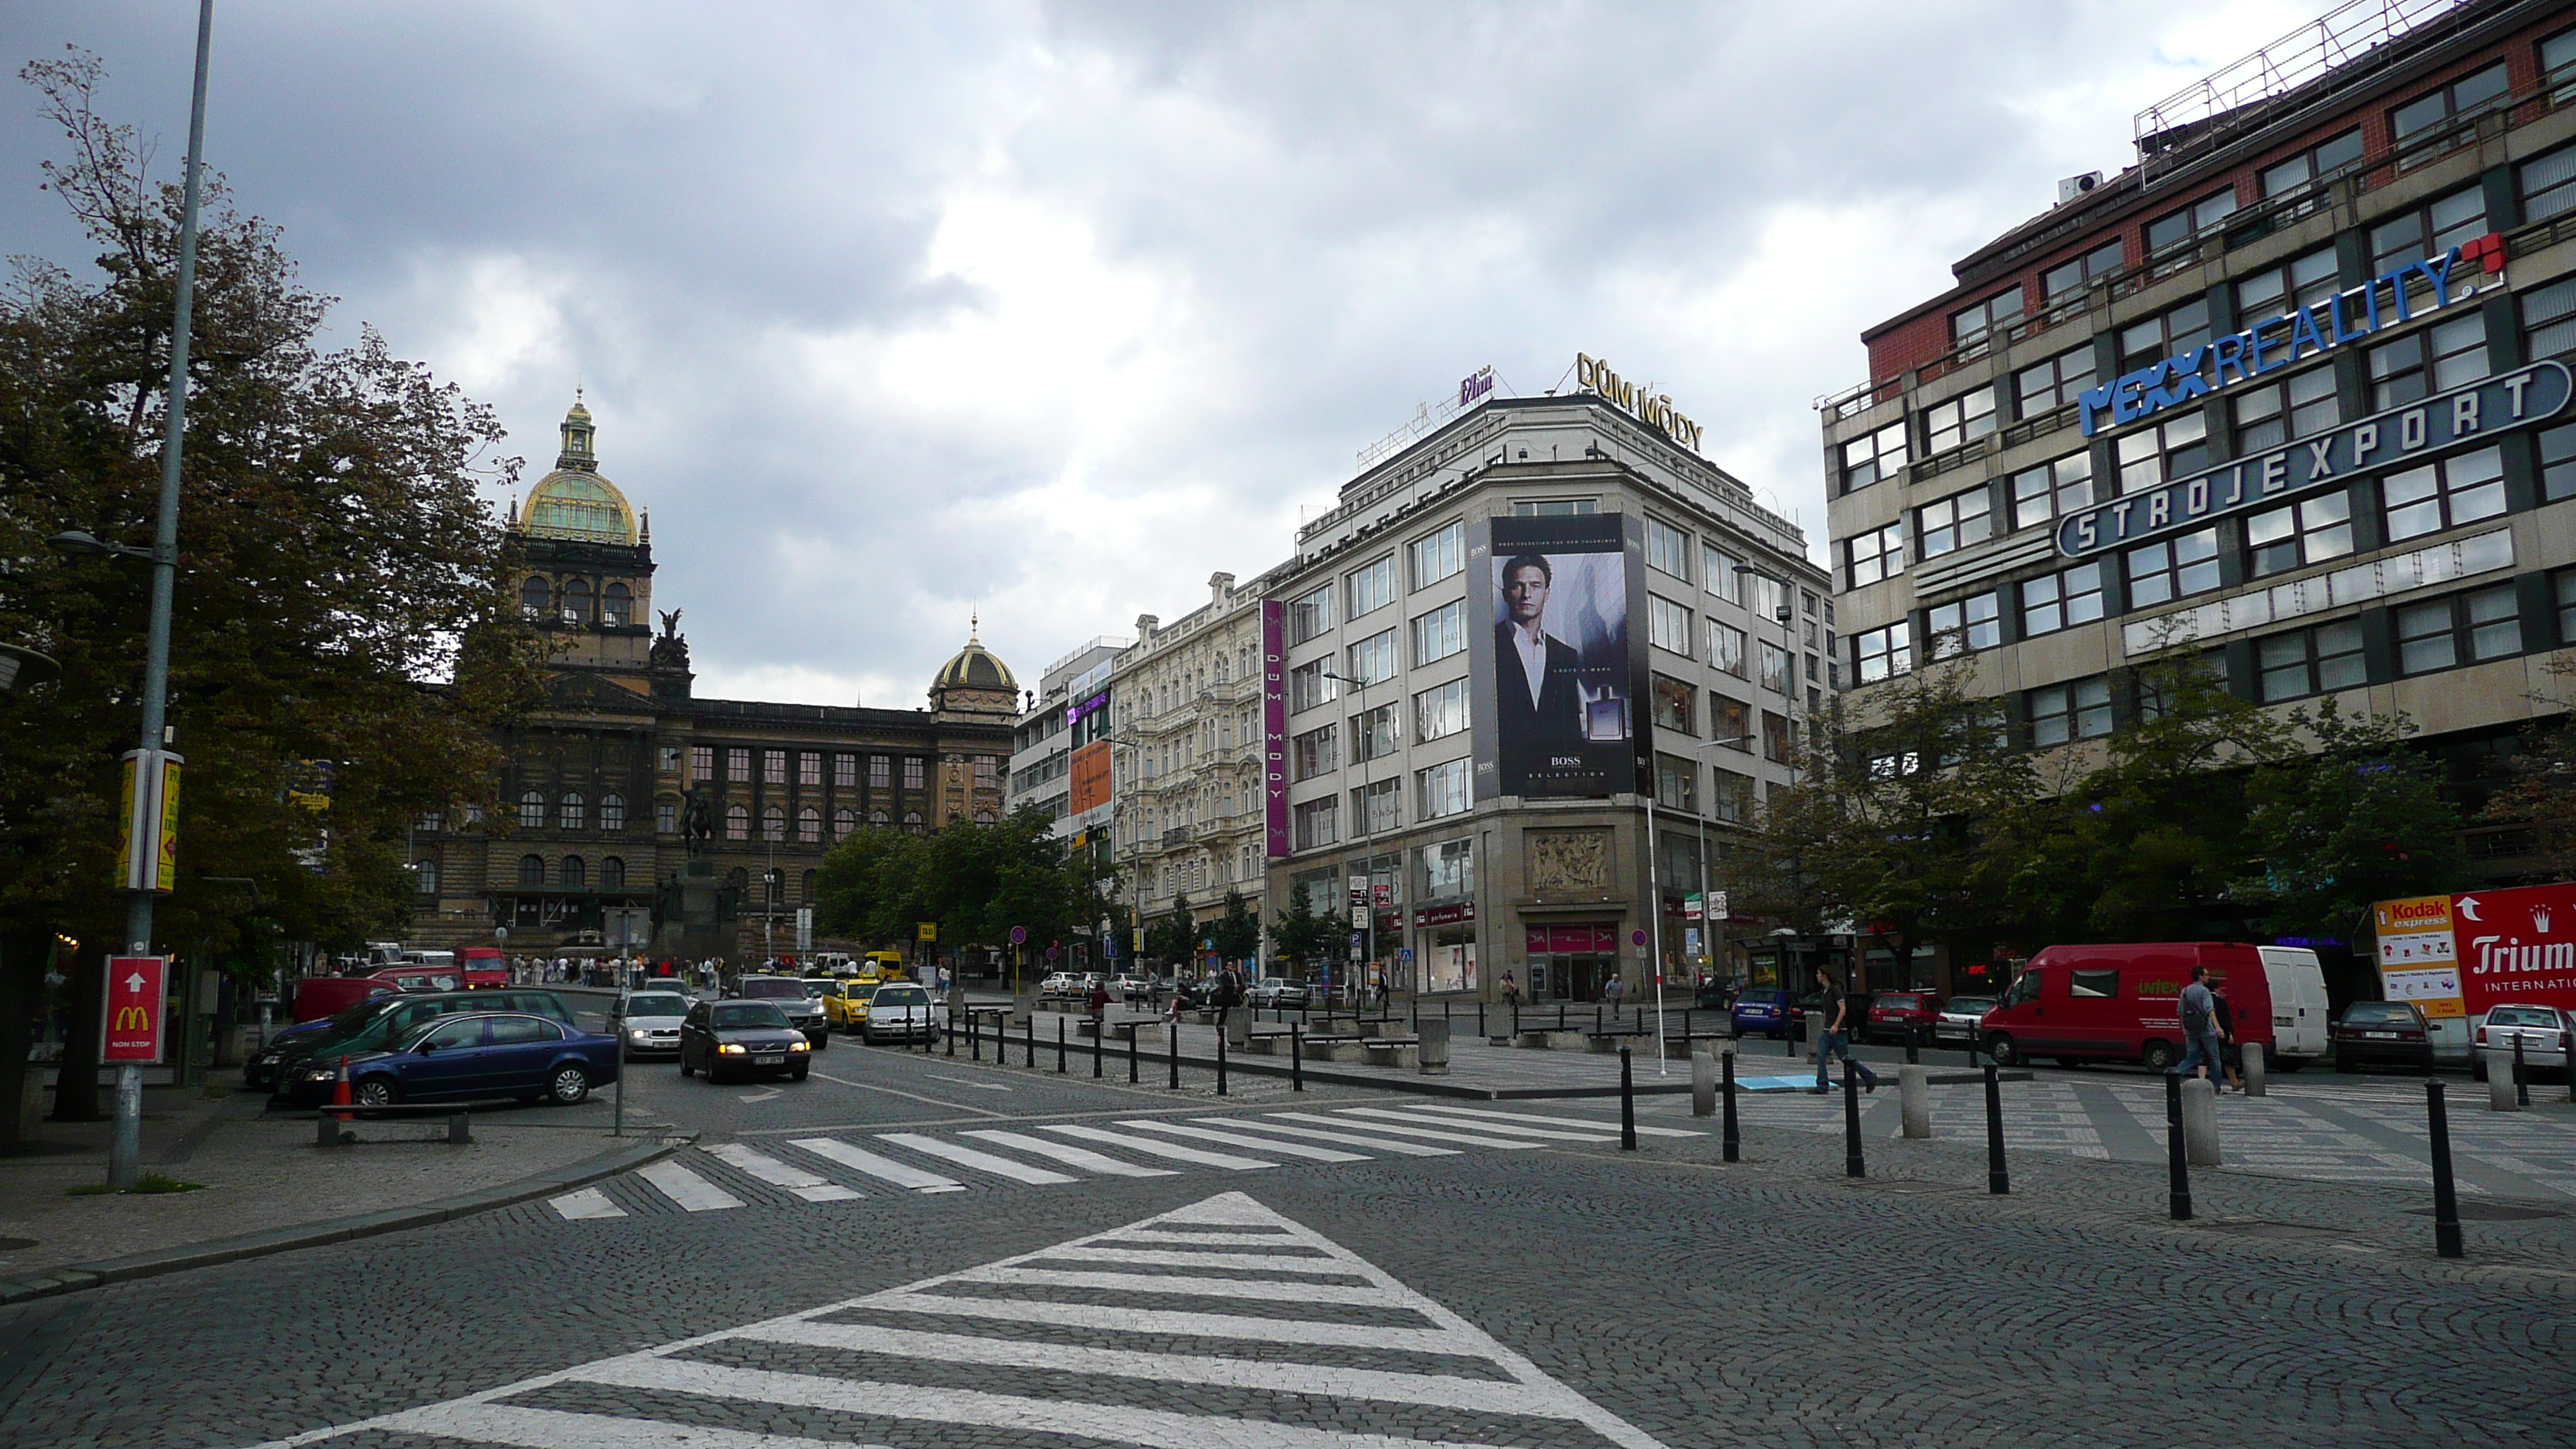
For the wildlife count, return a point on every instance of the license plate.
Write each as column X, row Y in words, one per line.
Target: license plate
column 773, row 1059
column 2381, row 1035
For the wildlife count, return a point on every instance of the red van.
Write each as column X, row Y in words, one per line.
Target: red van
column 319, row 996
column 485, row 967
column 2119, row 1003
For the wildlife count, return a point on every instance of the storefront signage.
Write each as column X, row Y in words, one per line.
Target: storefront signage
column 2277, row 342
column 2327, row 460
column 1089, row 706
column 1570, row 940
column 2459, row 955
column 1474, row 385
column 1274, row 727
column 1453, row 914
column 1653, row 409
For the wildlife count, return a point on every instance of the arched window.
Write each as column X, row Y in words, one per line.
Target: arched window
column 737, row 822
column 773, row 824
column 574, row 812
column 424, row 877
column 576, row 601
column 983, row 817
column 576, row 874
column 843, row 822
column 535, row 599
column 877, row 818
column 809, row 825
column 612, row 812
column 617, row 604
column 912, row 821
column 612, row 874
column 532, row 871
column 532, row 811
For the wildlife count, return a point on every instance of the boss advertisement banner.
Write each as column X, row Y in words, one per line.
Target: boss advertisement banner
column 1558, row 681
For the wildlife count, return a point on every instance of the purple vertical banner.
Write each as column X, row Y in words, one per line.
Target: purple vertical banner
column 1274, row 722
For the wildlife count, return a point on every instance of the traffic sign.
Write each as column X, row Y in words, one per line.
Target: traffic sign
column 927, row 930
column 1636, row 938
column 131, row 1026
column 1404, row 953
column 1019, row 935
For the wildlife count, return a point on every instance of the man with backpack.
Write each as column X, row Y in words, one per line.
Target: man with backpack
column 2199, row 1011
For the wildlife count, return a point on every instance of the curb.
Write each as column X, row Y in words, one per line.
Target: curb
column 77, row 1276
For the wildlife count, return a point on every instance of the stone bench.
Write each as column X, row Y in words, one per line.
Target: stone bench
column 1559, row 1041
column 1393, row 1051
column 1334, row 1048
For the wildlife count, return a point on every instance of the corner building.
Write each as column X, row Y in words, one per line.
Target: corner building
column 2290, row 390
column 1485, row 658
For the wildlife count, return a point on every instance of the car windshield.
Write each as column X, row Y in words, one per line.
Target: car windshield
column 657, row 1006
column 2379, row 1013
column 900, row 996
column 865, row 992
column 814, row 989
column 1979, row 1005
column 748, row 1016
column 1900, row 1001
column 356, row 1016
column 771, row 988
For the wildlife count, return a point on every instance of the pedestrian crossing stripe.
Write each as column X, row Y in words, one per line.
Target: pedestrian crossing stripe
column 988, row 1326
column 779, row 1174
column 686, row 1188
column 1445, row 1109
column 1602, row 1133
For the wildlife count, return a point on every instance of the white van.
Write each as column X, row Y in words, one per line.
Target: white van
column 2299, row 1011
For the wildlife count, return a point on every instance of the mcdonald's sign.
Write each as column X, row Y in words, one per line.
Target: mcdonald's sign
column 137, row 1000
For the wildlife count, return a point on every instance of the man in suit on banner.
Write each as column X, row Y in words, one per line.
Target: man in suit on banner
column 1541, row 709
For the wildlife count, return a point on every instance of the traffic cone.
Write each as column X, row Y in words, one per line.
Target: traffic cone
column 340, row 1089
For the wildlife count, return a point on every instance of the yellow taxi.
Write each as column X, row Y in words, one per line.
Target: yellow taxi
column 845, row 1003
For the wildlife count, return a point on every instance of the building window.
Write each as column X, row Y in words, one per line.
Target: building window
column 1955, row 522
column 2548, row 184
column 2052, row 383
column 666, row 817
column 1668, row 625
column 702, row 763
column 2549, row 316
column 2287, row 537
column 2163, row 451
column 2310, row 661
column 612, row 812
column 1730, row 722
column 1881, row 653
column 2052, row 489
column 809, row 826
column 2071, row 276
column 1373, row 659
column 2177, row 329
column 1775, row 668
column 809, row 769
column 1875, row 555
column 1971, row 325
column 912, row 822
column 1717, row 574
column 737, row 822
column 880, row 768
column 574, row 812
column 1439, row 555
column 1449, row 869
column 1733, row 796
column 617, row 604
column 773, row 823
column 532, row 811
column 1311, row 754
column 1440, row 711
column 1377, row 808
column 2428, row 230
column 2061, row 600
column 536, row 600
column 1879, row 455
column 1777, row 740
column 916, row 772
column 1319, row 822
column 1443, row 789
column 773, row 767
column 576, row 601
column 2325, row 159
column 2462, row 629
column 844, row 822
column 1440, row 633
column 2079, row 709
column 878, row 819
column 1672, row 705
column 1955, row 421
column 2558, row 463
column 2563, row 585
column 612, row 874
column 1373, row 587
column 2436, row 496
column 532, row 872
column 1311, row 615
column 2200, row 218
column 2435, row 359
column 1313, row 684
column 2305, row 280
column 2424, row 116
column 1726, row 648
column 2558, row 62
column 845, row 772
column 1553, row 507
column 1667, row 549
column 1374, row 734
column 1963, row 625
column 424, row 877
column 738, row 764
column 2173, row 568
column 1676, row 783
column 2298, row 406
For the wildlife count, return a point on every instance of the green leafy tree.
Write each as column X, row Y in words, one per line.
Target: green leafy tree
column 1301, row 936
column 339, row 595
column 2356, row 818
column 1173, row 937
column 2541, row 795
column 975, row 882
column 1238, row 932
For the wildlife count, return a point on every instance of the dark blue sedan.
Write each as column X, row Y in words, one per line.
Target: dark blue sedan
column 472, row 1058
column 1762, row 1011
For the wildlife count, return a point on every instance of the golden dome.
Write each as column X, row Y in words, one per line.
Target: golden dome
column 578, row 505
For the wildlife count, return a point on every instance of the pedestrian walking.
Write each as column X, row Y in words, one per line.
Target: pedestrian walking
column 1229, row 994
column 1613, row 990
column 2230, row 1051
column 2199, row 1011
column 1842, row 1012
column 1511, row 991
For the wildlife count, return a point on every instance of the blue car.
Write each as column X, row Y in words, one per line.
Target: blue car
column 1763, row 1011
column 472, row 1058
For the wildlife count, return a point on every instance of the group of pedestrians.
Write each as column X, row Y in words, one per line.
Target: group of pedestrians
column 2208, row 1028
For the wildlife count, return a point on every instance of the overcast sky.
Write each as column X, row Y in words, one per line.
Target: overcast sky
column 891, row 312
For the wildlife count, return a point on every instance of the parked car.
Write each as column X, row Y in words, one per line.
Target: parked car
column 1130, row 988
column 787, row 993
column 648, row 1021
column 1714, row 996
column 471, row 1057
column 376, row 1024
column 902, row 1011
column 2383, row 1031
column 1897, row 1015
column 738, row 1038
column 1059, row 986
column 317, row 997
column 1273, row 993
column 2121, row 1003
column 847, row 1008
column 1762, row 1011
column 2544, row 1032
column 1957, row 1019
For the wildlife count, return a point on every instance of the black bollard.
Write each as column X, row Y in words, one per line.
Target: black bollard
column 1734, row 1137
column 1099, row 1029
column 1297, row 1057
column 1627, row 1105
column 1913, row 1043
column 974, row 1038
column 2446, row 1197
column 1173, row 1043
column 1480, row 1019
column 1516, row 1018
column 951, row 1035
column 1059, row 1043
column 2177, row 1166
column 1220, row 1063
column 1853, row 1166
column 1596, row 1018
column 2521, row 1079
column 1033, row 1041
column 1131, row 1055
column 1998, row 1180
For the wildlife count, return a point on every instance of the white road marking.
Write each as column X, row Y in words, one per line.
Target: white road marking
column 913, row 1096
column 1236, row 1139
column 762, row 1096
column 1174, row 1258
column 1158, row 1149
column 686, row 1188
column 1503, row 1142
column 1425, row 1119
column 1264, row 1358
column 899, row 1173
column 961, row 1081
column 1526, row 1119
column 1379, row 1144
column 590, row 1202
column 779, row 1174
column 1082, row 1157
column 980, row 1161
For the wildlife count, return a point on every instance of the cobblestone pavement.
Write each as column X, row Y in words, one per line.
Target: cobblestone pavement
column 1560, row 1294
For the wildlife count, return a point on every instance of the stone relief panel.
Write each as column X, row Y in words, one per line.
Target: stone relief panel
column 1569, row 862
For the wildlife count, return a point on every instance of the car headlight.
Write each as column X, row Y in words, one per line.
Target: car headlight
column 730, row 1049
column 639, row 1034
column 322, row 1074
column 800, row 1046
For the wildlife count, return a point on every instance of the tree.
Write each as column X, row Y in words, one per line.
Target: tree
column 339, row 610
column 1173, row 937
column 1238, row 933
column 2357, row 818
column 975, row 882
column 2541, row 798
column 1300, row 935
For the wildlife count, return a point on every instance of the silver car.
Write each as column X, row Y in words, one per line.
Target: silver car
column 1959, row 1017
column 647, row 1022
column 2542, row 1030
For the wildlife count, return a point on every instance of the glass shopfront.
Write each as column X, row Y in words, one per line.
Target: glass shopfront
column 1570, row 962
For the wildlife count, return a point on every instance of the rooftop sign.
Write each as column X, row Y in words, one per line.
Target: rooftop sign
column 1653, row 409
